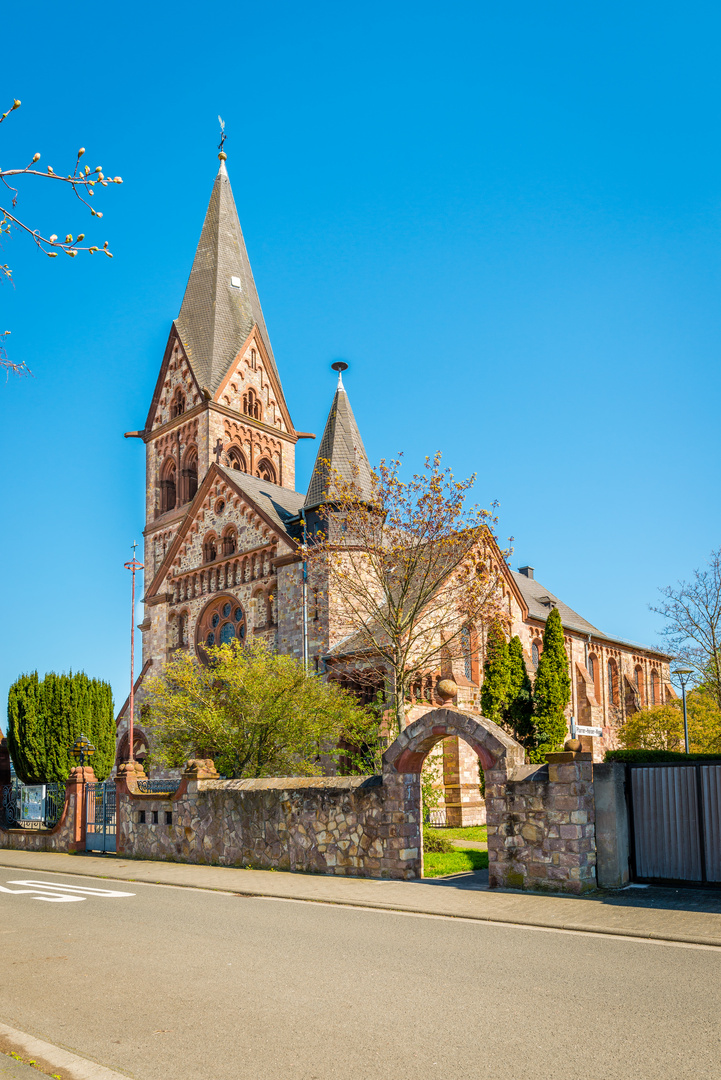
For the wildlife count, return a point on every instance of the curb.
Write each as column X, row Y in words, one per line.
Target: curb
column 54, row 1057
column 703, row 940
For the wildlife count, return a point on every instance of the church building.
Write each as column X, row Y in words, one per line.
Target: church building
column 223, row 518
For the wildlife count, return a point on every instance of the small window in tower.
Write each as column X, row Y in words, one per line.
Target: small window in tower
column 235, row 283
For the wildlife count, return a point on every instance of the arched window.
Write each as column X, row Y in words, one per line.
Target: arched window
column 535, row 653
column 229, row 541
column 469, row 646
column 611, row 675
column 251, row 405
column 236, row 459
column 222, row 621
column 594, row 670
column 253, row 359
column 210, row 549
column 266, row 471
column 655, row 688
column 177, row 405
column 167, row 487
column 190, row 474
column 638, row 680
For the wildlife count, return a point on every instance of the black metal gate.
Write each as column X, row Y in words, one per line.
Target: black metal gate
column 100, row 817
column 675, row 822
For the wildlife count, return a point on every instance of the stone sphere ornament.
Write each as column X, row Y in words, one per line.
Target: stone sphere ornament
column 572, row 745
column 446, row 689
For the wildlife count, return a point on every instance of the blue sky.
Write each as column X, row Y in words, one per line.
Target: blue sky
column 506, row 218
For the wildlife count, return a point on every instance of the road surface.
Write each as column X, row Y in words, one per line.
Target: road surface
column 166, row 982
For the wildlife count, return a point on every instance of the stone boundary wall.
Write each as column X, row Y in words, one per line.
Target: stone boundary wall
column 547, row 841
column 328, row 825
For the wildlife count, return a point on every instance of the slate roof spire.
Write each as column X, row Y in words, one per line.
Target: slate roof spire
column 221, row 304
column 341, row 450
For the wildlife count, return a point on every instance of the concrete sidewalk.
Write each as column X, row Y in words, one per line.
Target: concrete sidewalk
column 682, row 915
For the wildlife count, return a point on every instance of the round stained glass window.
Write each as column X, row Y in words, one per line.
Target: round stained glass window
column 210, row 640
column 216, row 619
column 238, row 614
column 226, row 610
column 241, row 632
column 227, row 633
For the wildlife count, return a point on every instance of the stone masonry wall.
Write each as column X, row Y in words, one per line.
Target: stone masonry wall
column 356, row 826
column 67, row 835
column 547, row 841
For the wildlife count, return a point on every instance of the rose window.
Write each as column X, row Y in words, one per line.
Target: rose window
column 222, row 621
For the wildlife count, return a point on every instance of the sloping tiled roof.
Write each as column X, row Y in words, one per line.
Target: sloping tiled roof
column 215, row 318
column 534, row 594
column 279, row 503
column 341, row 451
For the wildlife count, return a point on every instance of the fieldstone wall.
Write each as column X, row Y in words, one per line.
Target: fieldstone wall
column 547, row 841
column 356, row 826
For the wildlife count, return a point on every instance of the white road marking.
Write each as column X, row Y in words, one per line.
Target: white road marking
column 59, row 893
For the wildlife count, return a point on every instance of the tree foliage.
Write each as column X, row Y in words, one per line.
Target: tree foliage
column 412, row 565
column 496, row 688
column 519, row 709
column 254, row 712
column 692, row 610
column 82, row 181
column 661, row 728
column 551, row 690
column 45, row 716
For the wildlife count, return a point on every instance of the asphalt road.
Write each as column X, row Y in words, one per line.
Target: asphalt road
column 181, row 983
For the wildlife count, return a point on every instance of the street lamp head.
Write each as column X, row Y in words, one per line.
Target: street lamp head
column 682, row 671
column 82, row 750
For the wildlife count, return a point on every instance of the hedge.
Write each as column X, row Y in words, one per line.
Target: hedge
column 657, row 755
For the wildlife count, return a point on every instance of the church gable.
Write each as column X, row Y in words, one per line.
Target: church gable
column 251, row 387
column 177, row 390
column 224, row 537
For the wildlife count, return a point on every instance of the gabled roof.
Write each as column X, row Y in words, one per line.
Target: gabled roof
column 274, row 504
column 540, row 601
column 215, row 317
column 278, row 503
column 341, row 451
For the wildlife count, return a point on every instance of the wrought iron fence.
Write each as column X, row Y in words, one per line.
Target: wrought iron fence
column 158, row 787
column 31, row 806
column 436, row 819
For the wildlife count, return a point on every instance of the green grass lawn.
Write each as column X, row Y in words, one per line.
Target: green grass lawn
column 471, row 832
column 455, row 862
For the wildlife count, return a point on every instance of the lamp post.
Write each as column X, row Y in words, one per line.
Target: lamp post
column 81, row 750
column 133, row 565
column 683, row 675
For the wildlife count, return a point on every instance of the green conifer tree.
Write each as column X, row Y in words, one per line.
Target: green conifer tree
column 551, row 691
column 45, row 717
column 496, row 674
column 519, row 710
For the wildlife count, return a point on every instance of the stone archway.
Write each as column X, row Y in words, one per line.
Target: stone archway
column 499, row 755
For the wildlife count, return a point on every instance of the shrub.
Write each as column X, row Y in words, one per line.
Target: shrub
column 45, row 716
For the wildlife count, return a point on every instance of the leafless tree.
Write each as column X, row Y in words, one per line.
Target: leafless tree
column 415, row 573
column 82, row 181
column 692, row 611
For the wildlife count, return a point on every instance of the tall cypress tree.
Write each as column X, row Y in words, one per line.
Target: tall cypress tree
column 45, row 717
column 519, row 710
column 551, row 691
column 496, row 674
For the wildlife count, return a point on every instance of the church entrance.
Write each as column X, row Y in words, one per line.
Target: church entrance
column 497, row 752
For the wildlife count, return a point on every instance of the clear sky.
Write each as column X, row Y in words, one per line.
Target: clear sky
column 505, row 217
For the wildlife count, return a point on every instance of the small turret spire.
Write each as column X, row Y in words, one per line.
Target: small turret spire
column 341, row 450
column 340, row 366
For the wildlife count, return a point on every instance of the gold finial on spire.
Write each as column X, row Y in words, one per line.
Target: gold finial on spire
column 222, row 156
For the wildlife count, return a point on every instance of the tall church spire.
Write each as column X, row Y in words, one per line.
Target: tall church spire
column 221, row 304
column 341, row 451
